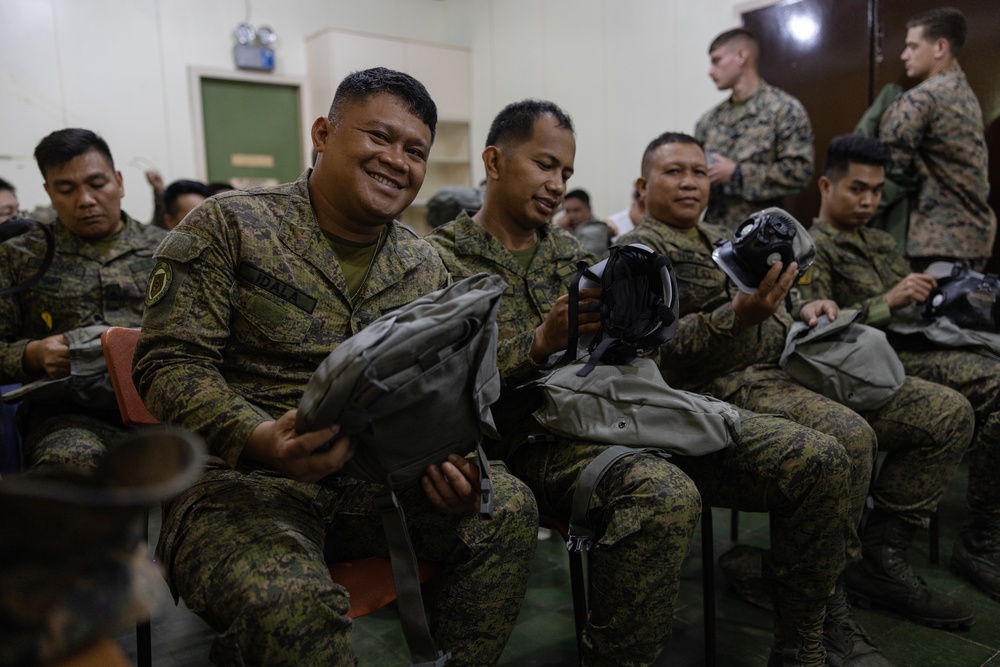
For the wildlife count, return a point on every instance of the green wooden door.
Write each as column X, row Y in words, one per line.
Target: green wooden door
column 252, row 132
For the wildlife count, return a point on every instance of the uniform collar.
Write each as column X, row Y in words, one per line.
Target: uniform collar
column 300, row 232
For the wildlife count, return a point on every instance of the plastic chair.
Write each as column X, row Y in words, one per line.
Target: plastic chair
column 581, row 605
column 368, row 581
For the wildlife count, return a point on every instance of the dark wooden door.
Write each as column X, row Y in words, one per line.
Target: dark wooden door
column 855, row 52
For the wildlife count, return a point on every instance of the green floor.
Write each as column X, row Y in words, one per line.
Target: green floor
column 544, row 635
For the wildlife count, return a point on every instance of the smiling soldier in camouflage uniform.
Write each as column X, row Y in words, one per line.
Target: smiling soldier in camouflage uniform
column 248, row 296
column 645, row 507
column 729, row 348
column 935, row 133
column 760, row 140
column 97, row 279
column 863, row 268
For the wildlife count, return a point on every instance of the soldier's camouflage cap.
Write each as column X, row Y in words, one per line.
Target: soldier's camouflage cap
column 74, row 564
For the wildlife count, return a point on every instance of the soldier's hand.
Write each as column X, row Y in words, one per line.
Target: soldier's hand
column 453, row 487
column 552, row 335
column 914, row 288
column 154, row 178
column 720, row 169
column 752, row 309
column 295, row 454
column 811, row 311
column 48, row 355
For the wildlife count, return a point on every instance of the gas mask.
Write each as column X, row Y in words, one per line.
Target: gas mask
column 766, row 237
column 968, row 298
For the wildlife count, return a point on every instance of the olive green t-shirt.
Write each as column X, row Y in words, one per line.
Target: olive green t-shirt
column 525, row 256
column 355, row 259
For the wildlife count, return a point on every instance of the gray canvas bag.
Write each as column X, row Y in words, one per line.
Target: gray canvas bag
column 944, row 332
column 411, row 388
column 850, row 362
column 632, row 405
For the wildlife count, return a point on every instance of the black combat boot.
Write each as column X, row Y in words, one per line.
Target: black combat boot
column 884, row 578
column 976, row 554
column 846, row 643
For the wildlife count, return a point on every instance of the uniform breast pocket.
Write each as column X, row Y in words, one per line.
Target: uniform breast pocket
column 264, row 318
column 853, row 272
column 698, row 282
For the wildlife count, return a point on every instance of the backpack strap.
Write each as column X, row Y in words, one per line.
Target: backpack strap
column 412, row 616
column 573, row 313
column 581, row 532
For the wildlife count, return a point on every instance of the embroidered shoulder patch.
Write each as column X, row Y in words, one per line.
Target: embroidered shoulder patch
column 158, row 284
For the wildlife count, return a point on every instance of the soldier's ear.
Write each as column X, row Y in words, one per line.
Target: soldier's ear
column 640, row 187
column 321, row 128
column 493, row 160
column 825, row 185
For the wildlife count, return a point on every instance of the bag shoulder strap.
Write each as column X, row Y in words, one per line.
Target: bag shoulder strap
column 412, row 616
column 581, row 532
column 405, row 573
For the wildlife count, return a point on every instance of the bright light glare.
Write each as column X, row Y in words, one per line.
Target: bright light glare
column 803, row 28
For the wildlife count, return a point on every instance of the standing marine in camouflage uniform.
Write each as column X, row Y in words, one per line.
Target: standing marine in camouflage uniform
column 864, row 269
column 248, row 296
column 729, row 348
column 97, row 279
column 645, row 507
column 759, row 141
column 935, row 133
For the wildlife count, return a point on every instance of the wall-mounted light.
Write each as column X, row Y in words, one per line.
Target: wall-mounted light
column 253, row 48
column 803, row 28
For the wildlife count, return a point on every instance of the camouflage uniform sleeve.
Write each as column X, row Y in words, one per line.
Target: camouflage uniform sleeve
column 903, row 128
column 708, row 340
column 874, row 308
column 792, row 167
column 11, row 344
column 184, row 332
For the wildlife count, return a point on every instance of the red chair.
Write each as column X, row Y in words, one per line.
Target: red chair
column 368, row 580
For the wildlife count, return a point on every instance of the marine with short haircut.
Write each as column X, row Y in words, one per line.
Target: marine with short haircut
column 863, row 268
column 938, row 148
column 247, row 298
column 97, row 279
column 729, row 347
column 759, row 141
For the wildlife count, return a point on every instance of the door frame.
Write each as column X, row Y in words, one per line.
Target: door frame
column 195, row 76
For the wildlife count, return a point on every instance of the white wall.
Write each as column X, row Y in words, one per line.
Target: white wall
column 625, row 70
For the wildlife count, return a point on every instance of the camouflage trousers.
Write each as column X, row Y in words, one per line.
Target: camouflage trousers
column 248, row 552
column 54, row 437
column 924, row 430
column 644, row 511
column 799, row 475
column 977, row 377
